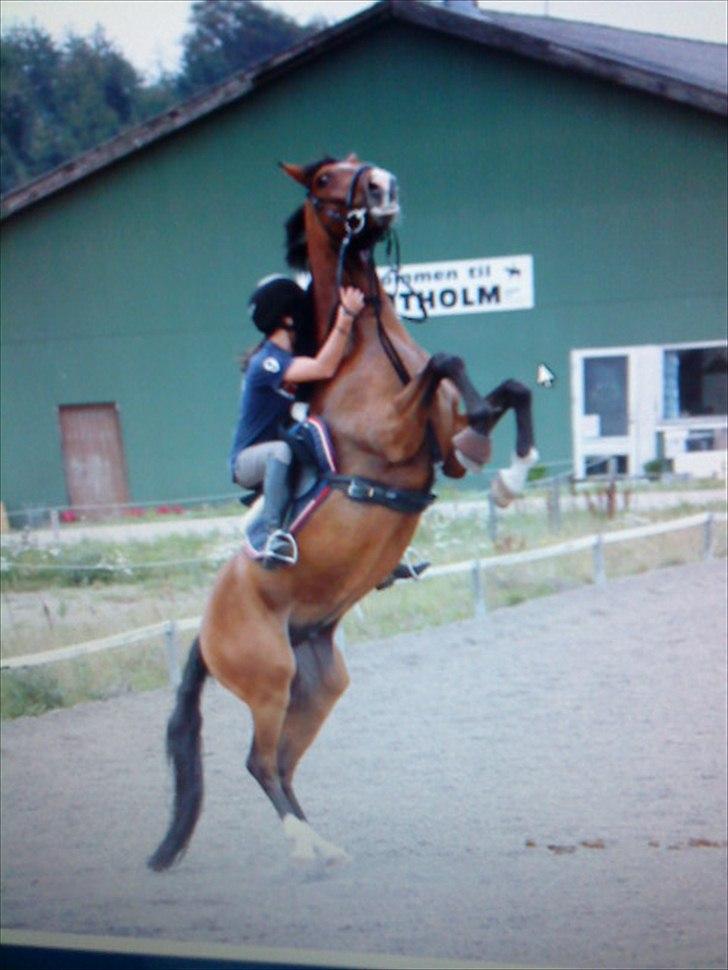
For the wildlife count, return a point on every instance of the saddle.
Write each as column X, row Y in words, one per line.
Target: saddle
column 314, row 462
column 316, row 475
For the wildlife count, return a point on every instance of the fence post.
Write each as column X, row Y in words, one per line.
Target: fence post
column 54, row 524
column 553, row 502
column 170, row 647
column 600, row 575
column 492, row 518
column 708, row 535
column 480, row 607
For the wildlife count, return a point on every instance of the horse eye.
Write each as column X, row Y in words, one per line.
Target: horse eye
column 322, row 181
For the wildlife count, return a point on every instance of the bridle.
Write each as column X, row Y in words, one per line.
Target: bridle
column 355, row 220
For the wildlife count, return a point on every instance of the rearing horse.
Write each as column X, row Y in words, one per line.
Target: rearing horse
column 393, row 413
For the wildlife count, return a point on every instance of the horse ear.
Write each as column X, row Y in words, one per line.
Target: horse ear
column 297, row 172
column 352, row 158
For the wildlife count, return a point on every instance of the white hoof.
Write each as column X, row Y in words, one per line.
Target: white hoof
column 510, row 483
column 332, row 855
column 307, row 846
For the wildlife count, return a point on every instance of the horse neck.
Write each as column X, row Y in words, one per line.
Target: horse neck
column 323, row 261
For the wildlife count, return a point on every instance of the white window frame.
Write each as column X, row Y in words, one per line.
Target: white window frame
column 645, row 383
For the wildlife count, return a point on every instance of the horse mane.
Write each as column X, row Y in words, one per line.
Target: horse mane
column 296, row 248
column 296, row 251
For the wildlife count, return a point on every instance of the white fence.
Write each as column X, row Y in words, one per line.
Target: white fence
column 170, row 629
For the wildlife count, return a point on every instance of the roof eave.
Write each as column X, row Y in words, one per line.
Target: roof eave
column 565, row 56
column 421, row 14
column 179, row 116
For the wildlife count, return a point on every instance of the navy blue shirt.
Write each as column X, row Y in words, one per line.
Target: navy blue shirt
column 264, row 404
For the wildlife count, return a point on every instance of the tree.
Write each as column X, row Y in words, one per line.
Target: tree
column 231, row 35
column 29, row 65
column 56, row 102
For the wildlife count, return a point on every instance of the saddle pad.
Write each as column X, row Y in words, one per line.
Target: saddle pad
column 312, row 447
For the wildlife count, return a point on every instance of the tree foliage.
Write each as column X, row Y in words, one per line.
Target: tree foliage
column 228, row 36
column 59, row 100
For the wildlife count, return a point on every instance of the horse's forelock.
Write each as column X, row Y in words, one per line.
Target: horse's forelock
column 310, row 170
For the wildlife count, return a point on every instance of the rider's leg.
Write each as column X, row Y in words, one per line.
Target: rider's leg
column 269, row 464
column 280, row 545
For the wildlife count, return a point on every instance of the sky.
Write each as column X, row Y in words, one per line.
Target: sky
column 148, row 32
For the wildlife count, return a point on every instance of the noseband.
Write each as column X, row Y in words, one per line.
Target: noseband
column 354, row 219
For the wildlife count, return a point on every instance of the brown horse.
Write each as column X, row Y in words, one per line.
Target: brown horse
column 393, row 413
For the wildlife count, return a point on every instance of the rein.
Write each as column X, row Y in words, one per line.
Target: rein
column 354, row 220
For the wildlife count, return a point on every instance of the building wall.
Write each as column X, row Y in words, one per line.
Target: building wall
column 131, row 286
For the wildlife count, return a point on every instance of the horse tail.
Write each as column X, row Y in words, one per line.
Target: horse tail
column 184, row 751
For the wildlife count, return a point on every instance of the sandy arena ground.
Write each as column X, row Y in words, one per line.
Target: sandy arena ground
column 545, row 787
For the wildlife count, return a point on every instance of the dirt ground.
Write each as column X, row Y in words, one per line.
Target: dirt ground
column 544, row 787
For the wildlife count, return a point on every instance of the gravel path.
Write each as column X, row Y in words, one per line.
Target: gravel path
column 544, row 787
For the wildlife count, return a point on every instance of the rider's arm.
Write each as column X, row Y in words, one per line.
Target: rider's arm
column 326, row 362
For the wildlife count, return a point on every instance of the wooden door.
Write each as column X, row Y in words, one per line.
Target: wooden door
column 93, row 455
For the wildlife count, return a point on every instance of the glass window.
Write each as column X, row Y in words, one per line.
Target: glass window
column 695, row 382
column 605, row 393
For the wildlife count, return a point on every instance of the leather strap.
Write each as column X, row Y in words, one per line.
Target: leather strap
column 366, row 490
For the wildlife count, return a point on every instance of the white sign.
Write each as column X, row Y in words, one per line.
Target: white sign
column 462, row 286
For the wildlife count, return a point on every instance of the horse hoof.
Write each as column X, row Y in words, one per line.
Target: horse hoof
column 336, row 856
column 500, row 493
column 510, row 483
column 472, row 449
column 303, row 855
column 308, row 846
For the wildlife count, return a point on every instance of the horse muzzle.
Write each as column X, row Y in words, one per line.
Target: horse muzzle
column 382, row 196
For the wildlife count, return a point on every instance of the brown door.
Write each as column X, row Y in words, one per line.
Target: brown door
column 93, row 455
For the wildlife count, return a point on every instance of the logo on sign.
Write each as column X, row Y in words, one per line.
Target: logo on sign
column 462, row 286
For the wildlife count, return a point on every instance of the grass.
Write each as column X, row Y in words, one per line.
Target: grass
column 106, row 588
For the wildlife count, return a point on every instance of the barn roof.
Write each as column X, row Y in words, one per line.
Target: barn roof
column 690, row 72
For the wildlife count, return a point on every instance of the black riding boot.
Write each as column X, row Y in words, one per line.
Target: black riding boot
column 280, row 546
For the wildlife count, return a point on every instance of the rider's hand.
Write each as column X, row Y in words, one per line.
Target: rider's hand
column 352, row 300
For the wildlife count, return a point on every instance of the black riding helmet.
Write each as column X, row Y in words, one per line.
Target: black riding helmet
column 276, row 297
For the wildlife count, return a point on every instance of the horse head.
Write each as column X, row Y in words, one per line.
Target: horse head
column 354, row 201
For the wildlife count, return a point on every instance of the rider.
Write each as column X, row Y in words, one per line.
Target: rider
column 258, row 456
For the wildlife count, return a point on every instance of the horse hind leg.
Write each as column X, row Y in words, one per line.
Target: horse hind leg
column 321, row 678
column 268, row 704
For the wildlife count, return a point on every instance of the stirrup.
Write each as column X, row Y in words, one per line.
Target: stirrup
column 280, row 547
column 404, row 570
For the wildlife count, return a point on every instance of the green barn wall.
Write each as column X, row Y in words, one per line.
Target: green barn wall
column 131, row 286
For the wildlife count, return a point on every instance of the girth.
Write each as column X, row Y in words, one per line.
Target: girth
column 360, row 489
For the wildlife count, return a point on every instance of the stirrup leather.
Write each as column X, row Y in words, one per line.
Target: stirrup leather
column 289, row 556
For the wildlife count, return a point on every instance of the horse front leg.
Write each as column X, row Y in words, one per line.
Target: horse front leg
column 510, row 482
column 483, row 414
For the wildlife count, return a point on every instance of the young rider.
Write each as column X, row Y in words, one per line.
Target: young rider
column 258, row 455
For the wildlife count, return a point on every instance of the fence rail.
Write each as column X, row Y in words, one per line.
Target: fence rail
column 171, row 628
